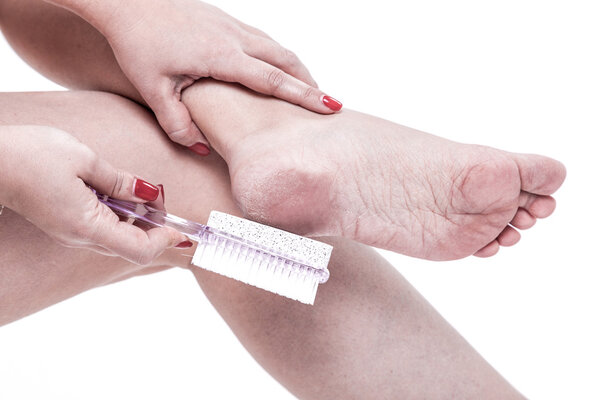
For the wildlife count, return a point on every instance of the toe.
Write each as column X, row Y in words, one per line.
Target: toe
column 522, row 219
column 526, row 199
column 508, row 237
column 542, row 207
column 539, row 174
column 489, row 250
column 537, row 206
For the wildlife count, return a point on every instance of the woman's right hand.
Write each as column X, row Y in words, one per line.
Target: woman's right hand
column 44, row 173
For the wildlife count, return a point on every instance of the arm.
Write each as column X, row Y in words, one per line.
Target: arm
column 45, row 173
column 161, row 61
column 470, row 201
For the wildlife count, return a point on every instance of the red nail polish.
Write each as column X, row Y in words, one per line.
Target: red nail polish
column 145, row 190
column 185, row 245
column 200, row 149
column 331, row 103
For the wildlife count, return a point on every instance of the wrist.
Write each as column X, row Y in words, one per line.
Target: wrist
column 105, row 15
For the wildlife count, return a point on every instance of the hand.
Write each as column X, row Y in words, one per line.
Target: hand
column 44, row 177
column 164, row 46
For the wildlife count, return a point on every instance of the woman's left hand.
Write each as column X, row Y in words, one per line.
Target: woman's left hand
column 164, row 46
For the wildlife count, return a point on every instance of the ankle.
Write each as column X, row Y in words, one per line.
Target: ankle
column 207, row 100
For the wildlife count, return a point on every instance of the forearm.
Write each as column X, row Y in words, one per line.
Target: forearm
column 35, row 270
column 104, row 15
column 63, row 47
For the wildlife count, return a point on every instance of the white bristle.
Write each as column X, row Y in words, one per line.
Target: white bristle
column 260, row 268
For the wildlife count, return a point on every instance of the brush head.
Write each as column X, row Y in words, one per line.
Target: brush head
column 262, row 256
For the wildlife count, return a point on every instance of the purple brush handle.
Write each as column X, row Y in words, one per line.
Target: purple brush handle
column 193, row 230
column 152, row 216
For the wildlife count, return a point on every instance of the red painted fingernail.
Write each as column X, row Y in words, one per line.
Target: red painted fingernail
column 331, row 103
column 145, row 190
column 185, row 245
column 200, row 149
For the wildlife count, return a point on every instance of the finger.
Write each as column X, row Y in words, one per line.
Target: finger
column 92, row 247
column 100, row 250
column 159, row 203
column 253, row 30
column 508, row 237
column 267, row 79
column 132, row 243
column 117, row 183
column 174, row 117
column 522, row 219
column 273, row 53
column 157, row 218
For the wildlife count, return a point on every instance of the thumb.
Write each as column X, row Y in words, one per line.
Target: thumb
column 128, row 241
column 175, row 119
column 133, row 243
column 119, row 184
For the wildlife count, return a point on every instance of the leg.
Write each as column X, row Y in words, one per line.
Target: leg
column 36, row 272
column 367, row 318
column 63, row 47
column 369, row 335
column 347, row 174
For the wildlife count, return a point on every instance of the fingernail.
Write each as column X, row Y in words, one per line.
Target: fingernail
column 185, row 245
column 162, row 192
column 145, row 190
column 200, row 149
column 331, row 103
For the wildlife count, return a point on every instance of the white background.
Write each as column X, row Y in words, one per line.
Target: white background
column 519, row 75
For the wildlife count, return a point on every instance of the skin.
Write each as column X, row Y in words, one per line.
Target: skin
column 161, row 61
column 370, row 180
column 33, row 190
column 417, row 194
column 408, row 350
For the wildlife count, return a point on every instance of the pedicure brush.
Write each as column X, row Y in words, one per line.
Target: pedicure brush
column 266, row 257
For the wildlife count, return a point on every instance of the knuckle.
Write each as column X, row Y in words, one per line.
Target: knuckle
column 89, row 227
column 232, row 27
column 182, row 136
column 290, row 58
column 80, row 231
column 89, row 157
column 154, row 96
column 145, row 256
column 275, row 79
column 222, row 53
column 118, row 185
column 309, row 93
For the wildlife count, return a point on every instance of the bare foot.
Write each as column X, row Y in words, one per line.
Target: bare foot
column 383, row 184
